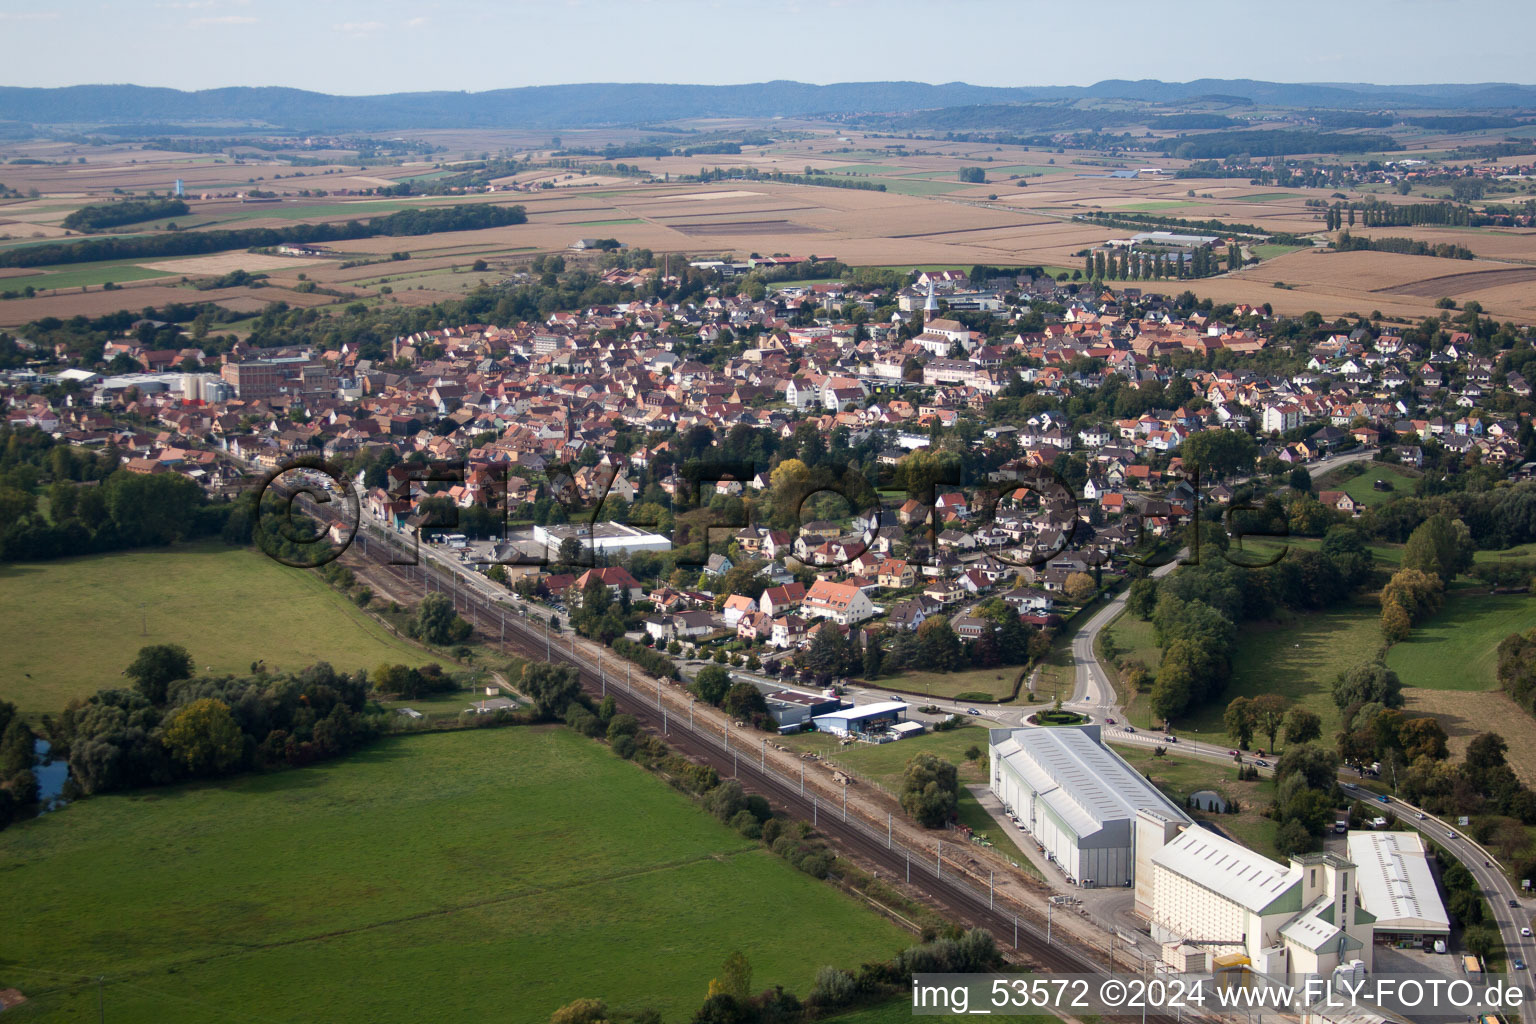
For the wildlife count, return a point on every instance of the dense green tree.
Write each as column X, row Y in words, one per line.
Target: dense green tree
column 204, row 738
column 930, row 790
column 1439, row 547
column 711, row 684
column 1220, row 453
column 156, row 667
column 552, row 688
column 1302, row 726
column 436, row 621
column 1369, row 682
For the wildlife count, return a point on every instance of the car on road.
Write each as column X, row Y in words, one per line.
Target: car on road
column 972, row 711
column 1514, row 903
column 1519, row 964
column 1449, row 834
column 1109, row 721
column 1525, row 933
column 1262, row 763
column 1231, row 753
column 1130, row 728
column 1172, row 739
column 1421, row 815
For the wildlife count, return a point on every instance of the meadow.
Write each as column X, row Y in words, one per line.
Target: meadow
column 1457, row 649
column 69, row 627
column 442, row 876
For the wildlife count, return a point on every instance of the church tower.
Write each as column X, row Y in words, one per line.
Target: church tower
column 930, row 305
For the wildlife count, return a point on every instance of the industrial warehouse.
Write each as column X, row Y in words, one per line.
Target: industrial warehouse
column 1077, row 797
column 1203, row 894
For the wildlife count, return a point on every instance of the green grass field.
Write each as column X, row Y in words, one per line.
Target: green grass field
column 996, row 682
column 921, row 187
column 885, row 762
column 1263, row 197
column 1363, row 487
column 73, row 275
column 1132, row 638
column 1269, row 250
column 464, row 876
column 1523, row 551
column 1298, row 659
column 71, row 626
column 619, row 220
column 1458, row 648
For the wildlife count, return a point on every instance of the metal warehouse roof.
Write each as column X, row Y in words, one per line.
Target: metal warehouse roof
column 1085, row 783
column 1246, row 878
column 1395, row 883
column 864, row 711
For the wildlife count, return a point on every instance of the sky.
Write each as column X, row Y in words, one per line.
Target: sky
column 359, row 47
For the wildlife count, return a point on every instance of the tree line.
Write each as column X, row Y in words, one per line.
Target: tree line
column 100, row 216
column 463, row 217
column 1347, row 242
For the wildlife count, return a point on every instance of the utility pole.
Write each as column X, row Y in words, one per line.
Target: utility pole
column 845, row 801
column 908, row 858
column 546, row 639
column 888, row 830
column 1015, row 931
column 690, row 721
column 628, row 686
column 1048, row 908
column 989, row 889
column 763, row 761
column 815, row 809
column 802, row 778
column 940, row 860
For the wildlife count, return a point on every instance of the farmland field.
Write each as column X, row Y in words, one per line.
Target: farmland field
column 441, row 870
column 71, row 626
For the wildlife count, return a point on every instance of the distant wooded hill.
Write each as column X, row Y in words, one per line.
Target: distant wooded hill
column 591, row 104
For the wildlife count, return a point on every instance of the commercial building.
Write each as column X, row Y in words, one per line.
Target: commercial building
column 1200, row 890
column 792, row 709
column 1078, row 798
column 1397, row 887
column 599, row 538
column 866, row 720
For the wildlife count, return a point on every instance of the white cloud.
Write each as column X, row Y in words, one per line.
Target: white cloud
column 226, row 19
column 416, row 22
